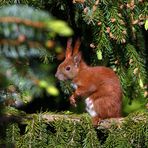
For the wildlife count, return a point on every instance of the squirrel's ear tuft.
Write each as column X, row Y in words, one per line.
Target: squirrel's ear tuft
column 76, row 47
column 69, row 48
column 77, row 59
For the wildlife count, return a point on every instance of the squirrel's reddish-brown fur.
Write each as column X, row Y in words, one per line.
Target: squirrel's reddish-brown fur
column 99, row 85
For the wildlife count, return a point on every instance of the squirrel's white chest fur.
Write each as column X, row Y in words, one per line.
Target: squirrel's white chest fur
column 88, row 102
column 90, row 107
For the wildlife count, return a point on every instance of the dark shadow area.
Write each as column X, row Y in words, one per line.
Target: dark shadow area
column 102, row 135
column 46, row 103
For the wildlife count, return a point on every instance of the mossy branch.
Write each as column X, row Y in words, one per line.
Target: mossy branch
column 71, row 129
column 50, row 117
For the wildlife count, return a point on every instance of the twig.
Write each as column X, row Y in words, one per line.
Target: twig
column 22, row 21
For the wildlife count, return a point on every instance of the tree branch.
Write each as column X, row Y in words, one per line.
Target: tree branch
column 47, row 117
column 26, row 22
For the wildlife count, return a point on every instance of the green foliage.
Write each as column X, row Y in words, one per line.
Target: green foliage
column 146, row 25
column 12, row 134
column 59, row 27
column 66, row 87
column 35, row 134
column 60, row 130
column 27, row 36
column 132, row 133
column 41, row 130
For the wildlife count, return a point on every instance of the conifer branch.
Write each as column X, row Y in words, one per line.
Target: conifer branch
column 17, row 42
column 22, row 21
column 50, row 117
column 104, row 124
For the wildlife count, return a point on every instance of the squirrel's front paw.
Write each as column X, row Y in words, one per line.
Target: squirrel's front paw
column 73, row 101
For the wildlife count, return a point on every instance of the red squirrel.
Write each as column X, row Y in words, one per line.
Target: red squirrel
column 99, row 85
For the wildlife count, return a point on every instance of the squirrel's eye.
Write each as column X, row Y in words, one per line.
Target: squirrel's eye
column 67, row 68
